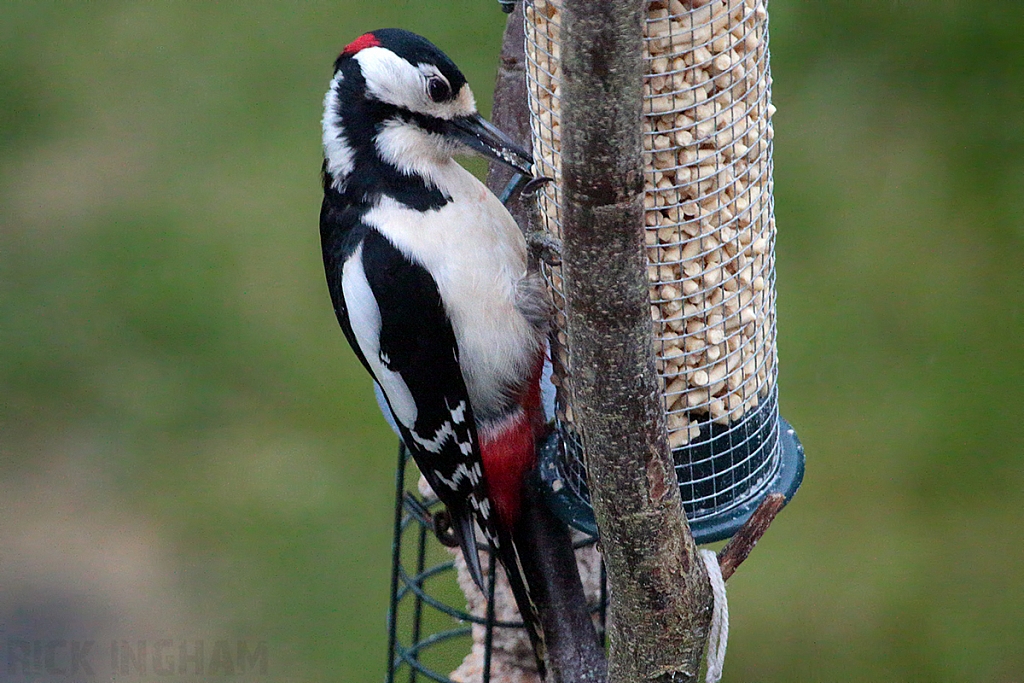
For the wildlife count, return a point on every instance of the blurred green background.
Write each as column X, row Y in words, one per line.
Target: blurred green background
column 189, row 448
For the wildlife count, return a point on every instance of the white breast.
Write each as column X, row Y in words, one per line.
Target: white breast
column 477, row 255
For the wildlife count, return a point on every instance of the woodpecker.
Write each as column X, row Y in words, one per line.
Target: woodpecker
column 428, row 275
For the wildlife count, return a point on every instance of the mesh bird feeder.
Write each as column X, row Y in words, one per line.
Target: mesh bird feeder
column 431, row 628
column 710, row 245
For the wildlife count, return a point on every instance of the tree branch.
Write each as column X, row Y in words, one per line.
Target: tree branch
column 660, row 597
column 574, row 652
column 739, row 546
column 510, row 111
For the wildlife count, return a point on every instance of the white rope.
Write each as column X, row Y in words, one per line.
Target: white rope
column 719, row 635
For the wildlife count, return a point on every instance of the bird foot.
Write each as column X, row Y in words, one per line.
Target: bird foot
column 545, row 247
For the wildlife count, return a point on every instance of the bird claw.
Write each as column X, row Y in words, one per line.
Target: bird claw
column 522, row 186
column 533, row 185
column 545, row 247
column 443, row 529
column 440, row 522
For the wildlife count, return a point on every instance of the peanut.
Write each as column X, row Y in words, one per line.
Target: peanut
column 710, row 233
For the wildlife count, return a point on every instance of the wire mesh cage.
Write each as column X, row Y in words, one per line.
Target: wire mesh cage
column 447, row 630
column 710, row 244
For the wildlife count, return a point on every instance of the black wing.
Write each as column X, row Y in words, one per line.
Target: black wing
column 341, row 232
column 403, row 320
column 418, row 343
column 418, row 359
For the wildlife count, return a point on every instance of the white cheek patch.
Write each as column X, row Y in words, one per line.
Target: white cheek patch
column 337, row 152
column 394, row 80
column 364, row 318
column 464, row 103
column 389, row 78
column 412, row 150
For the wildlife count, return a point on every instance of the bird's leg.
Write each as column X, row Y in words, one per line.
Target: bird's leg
column 544, row 246
column 440, row 522
column 443, row 529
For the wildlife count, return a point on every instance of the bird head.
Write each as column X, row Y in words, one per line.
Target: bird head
column 396, row 98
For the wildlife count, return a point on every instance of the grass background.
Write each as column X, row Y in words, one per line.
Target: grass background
column 188, row 447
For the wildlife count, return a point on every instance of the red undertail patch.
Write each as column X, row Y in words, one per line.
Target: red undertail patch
column 508, row 454
column 509, row 451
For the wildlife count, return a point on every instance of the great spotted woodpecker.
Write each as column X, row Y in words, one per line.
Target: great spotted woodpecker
column 428, row 275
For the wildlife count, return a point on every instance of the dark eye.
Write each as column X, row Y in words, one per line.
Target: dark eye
column 438, row 90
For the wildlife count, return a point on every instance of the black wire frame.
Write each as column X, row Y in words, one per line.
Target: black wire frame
column 412, row 518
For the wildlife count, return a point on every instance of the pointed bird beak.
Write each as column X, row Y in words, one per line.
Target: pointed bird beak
column 481, row 136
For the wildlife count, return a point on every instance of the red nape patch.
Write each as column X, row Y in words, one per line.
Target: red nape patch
column 507, row 456
column 361, row 43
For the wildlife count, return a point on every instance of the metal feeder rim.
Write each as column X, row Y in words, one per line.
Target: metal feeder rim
column 577, row 513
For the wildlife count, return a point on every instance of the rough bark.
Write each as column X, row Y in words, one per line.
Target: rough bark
column 574, row 652
column 511, row 111
column 739, row 547
column 660, row 597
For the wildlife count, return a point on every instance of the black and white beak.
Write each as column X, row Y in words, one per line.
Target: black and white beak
column 482, row 137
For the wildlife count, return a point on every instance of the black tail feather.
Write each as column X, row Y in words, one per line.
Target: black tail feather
column 509, row 558
column 464, row 529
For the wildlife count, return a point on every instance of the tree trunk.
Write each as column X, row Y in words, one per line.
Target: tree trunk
column 660, row 597
column 574, row 652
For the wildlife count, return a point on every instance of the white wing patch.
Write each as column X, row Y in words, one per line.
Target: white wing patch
column 364, row 318
column 446, row 431
column 463, row 471
column 434, row 443
column 476, row 255
column 483, row 509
